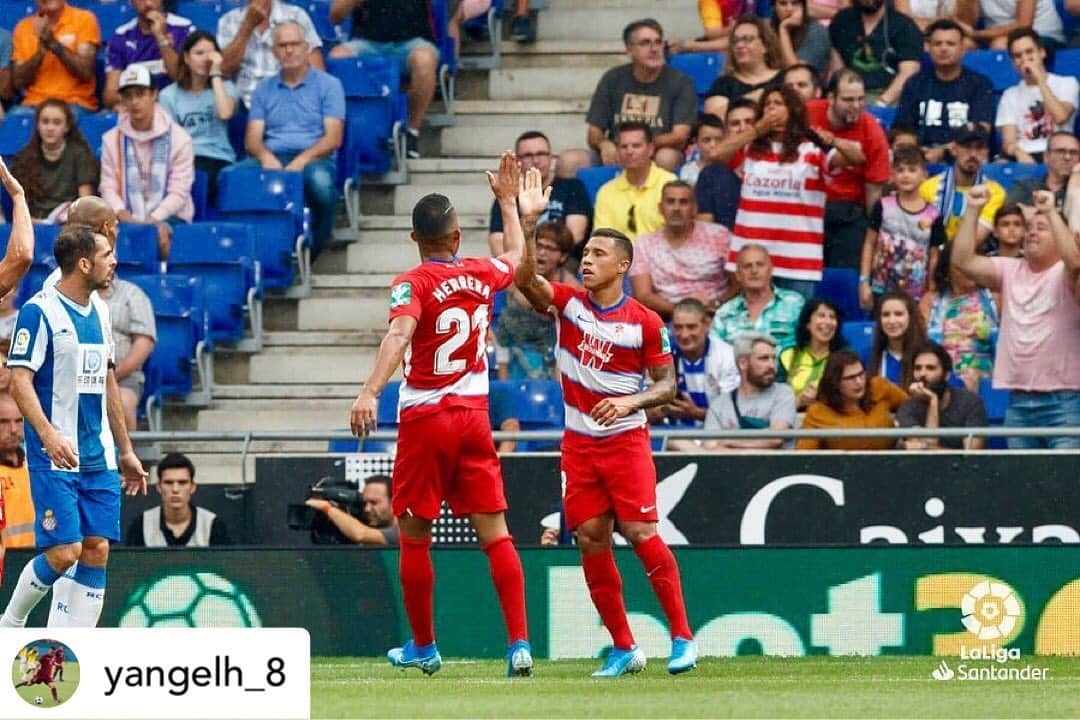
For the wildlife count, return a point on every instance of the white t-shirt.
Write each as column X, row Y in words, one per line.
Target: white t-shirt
column 1022, row 106
column 1047, row 22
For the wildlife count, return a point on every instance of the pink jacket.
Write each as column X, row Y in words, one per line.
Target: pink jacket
column 177, row 200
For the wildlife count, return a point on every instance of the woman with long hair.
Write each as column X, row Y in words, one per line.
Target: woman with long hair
column 898, row 331
column 963, row 318
column 752, row 67
column 847, row 398
column 783, row 165
column 202, row 101
column 57, row 165
column 802, row 39
column 817, row 336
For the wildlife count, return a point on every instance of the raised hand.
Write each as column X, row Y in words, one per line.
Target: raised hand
column 11, row 184
column 506, row 181
column 1044, row 201
column 978, row 196
column 532, row 196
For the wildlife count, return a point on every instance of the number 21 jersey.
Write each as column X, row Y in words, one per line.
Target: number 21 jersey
column 446, row 362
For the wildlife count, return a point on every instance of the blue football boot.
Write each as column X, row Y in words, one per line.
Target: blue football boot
column 519, row 661
column 426, row 658
column 683, row 656
column 620, row 662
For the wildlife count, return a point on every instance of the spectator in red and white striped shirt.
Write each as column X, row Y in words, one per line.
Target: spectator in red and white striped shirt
column 783, row 164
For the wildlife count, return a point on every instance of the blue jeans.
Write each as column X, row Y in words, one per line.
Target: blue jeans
column 400, row 51
column 1043, row 409
column 320, row 194
column 805, row 288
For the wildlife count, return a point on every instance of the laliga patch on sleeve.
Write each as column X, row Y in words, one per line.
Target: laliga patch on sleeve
column 22, row 342
column 665, row 340
column 400, row 295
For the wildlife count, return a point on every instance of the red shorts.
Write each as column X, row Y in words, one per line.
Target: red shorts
column 448, row 454
column 609, row 474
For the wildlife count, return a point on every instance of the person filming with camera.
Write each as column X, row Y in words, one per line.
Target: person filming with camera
column 377, row 526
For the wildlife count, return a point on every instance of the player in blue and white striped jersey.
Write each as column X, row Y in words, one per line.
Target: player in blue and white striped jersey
column 61, row 358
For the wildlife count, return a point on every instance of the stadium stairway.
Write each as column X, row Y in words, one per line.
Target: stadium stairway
column 319, row 349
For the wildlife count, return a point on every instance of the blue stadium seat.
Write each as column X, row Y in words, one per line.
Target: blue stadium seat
column 703, row 68
column 200, row 195
column 841, row 285
column 12, row 11
column 859, row 336
column 1008, row 173
column 224, row 256
column 1067, row 62
column 374, row 104
column 94, row 126
column 43, row 264
column 272, row 202
column 137, row 249
column 111, row 15
column 995, row 401
column 994, row 64
column 204, row 14
column 440, row 16
column 319, row 12
column 595, row 177
column 173, row 352
column 538, row 405
column 885, row 115
column 15, row 131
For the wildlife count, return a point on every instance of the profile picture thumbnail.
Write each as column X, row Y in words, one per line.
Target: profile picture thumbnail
column 45, row 673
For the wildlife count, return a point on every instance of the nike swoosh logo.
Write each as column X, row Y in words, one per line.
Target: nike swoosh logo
column 647, row 509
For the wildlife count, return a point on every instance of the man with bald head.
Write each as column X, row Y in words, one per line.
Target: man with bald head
column 296, row 123
column 96, row 214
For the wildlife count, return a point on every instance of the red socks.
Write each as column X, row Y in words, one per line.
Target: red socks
column 605, row 587
column 663, row 573
column 510, row 585
column 418, row 588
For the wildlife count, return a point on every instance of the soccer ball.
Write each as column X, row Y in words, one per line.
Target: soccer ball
column 184, row 599
column 39, row 700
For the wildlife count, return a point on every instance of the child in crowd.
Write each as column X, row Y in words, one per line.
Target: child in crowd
column 1009, row 229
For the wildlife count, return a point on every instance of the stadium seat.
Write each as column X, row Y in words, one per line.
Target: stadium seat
column 224, row 256
column 43, row 264
column 703, row 68
column 491, row 23
column 538, row 405
column 11, row 12
column 319, row 12
column 1008, row 173
column 440, row 15
column 204, row 14
column 885, row 115
column 272, row 203
column 200, row 195
column 15, row 131
column 137, row 249
column 859, row 336
column 841, row 285
column 994, row 64
column 93, row 126
column 111, row 15
column 995, row 401
column 1067, row 62
column 595, row 177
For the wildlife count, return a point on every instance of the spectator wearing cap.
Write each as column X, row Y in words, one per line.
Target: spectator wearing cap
column 53, row 56
column 1038, row 349
column 945, row 95
column 1037, row 106
column 970, row 149
column 296, row 123
column 1061, row 159
column 152, row 39
column 147, row 161
column 245, row 35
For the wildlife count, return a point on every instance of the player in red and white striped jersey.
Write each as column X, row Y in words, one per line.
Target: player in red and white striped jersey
column 439, row 314
column 608, row 342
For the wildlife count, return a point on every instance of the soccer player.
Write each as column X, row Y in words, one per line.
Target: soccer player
column 58, row 651
column 44, row 675
column 606, row 342
column 439, row 314
column 62, row 379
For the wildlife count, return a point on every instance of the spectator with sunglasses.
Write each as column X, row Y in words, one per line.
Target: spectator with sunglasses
column 630, row 203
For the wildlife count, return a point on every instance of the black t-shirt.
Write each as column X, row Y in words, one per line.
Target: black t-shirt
column 965, row 409
column 936, row 106
column 219, row 535
column 663, row 104
column 731, row 87
column 393, row 20
column 850, row 41
column 568, row 197
column 717, row 191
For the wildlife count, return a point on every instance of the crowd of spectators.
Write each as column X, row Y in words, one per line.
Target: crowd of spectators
column 739, row 201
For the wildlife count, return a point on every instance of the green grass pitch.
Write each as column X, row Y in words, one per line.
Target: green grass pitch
column 64, row 689
column 729, row 687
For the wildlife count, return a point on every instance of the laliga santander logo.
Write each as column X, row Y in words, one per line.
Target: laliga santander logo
column 990, row 611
